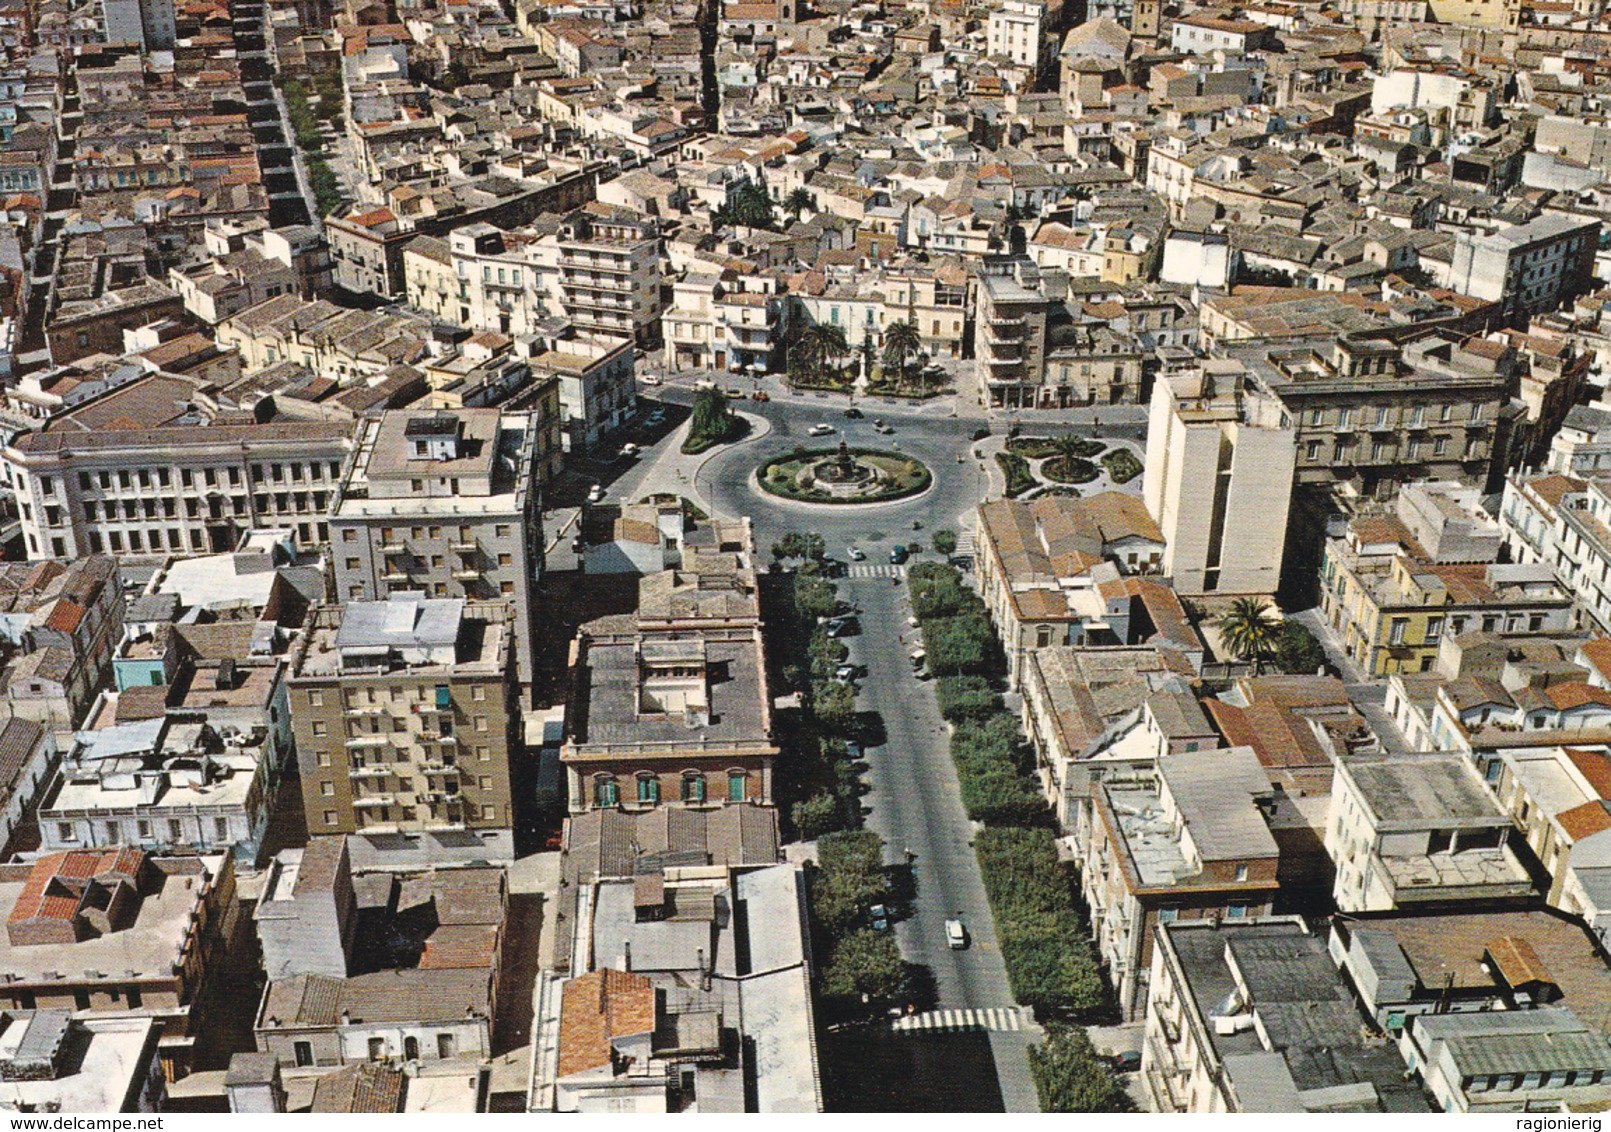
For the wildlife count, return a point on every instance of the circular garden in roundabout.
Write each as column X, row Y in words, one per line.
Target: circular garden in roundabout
column 844, row 475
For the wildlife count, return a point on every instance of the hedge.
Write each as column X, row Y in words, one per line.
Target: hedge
column 1019, row 478
column 1050, row 959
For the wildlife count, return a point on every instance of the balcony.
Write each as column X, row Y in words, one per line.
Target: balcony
column 366, row 800
column 466, row 573
column 366, row 741
column 377, row 770
column 394, row 575
column 395, row 546
column 1008, row 321
column 467, row 547
column 1017, row 361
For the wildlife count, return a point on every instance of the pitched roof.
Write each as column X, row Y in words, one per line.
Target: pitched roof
column 598, row 1008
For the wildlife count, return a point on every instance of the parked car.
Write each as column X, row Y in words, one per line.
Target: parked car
column 1127, row 1060
column 629, row 449
column 853, row 750
column 845, row 673
column 760, row 395
column 956, row 935
column 595, row 493
column 837, row 627
column 880, row 426
column 853, row 414
column 820, row 429
column 649, row 378
column 655, row 419
column 898, row 555
column 856, row 554
column 879, row 915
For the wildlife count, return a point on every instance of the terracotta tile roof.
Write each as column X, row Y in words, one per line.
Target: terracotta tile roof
column 1585, row 820
column 55, row 884
column 359, row 1088
column 1574, row 695
column 1598, row 653
column 1594, row 766
column 1552, row 488
column 66, row 616
column 596, row 1009
column 1518, row 963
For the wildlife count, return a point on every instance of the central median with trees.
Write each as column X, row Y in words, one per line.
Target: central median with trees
column 1052, row 962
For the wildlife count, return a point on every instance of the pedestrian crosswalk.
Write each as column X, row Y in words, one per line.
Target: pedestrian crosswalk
column 875, row 570
column 996, row 1019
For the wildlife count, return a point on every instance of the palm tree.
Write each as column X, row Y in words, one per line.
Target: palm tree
column 901, row 341
column 823, row 345
column 798, row 201
column 1249, row 630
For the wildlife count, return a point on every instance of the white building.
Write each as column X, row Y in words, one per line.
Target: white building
column 1017, row 30
column 1529, row 268
column 1404, row 831
column 1219, row 470
column 147, row 24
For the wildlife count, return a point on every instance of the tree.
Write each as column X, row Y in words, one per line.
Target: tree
column 747, row 206
column 866, row 964
column 822, row 345
column 835, row 706
column 945, row 542
column 901, row 343
column 798, row 201
column 1296, row 650
column 712, row 418
column 1071, row 1077
column 1249, row 630
column 813, row 599
column 797, row 545
column 818, row 815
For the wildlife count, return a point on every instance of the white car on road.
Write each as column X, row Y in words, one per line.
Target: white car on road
column 820, row 429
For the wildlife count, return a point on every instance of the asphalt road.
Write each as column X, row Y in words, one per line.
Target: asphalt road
column 914, row 802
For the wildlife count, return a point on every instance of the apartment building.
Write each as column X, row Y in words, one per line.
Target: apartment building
column 1220, row 461
column 1396, row 584
column 598, row 389
column 1417, row 831
column 151, row 469
column 725, row 322
column 447, row 505
column 500, row 282
column 670, row 705
column 1253, row 1016
column 1188, row 841
column 1557, row 797
column 1528, row 268
column 609, row 274
column 1018, row 30
column 404, row 720
column 1372, row 413
column 366, row 252
column 1564, row 524
column 1010, row 315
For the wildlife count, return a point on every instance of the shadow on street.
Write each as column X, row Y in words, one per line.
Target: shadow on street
column 869, row 1069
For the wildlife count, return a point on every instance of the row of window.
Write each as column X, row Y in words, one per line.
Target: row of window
column 144, row 830
column 607, row 789
column 125, row 479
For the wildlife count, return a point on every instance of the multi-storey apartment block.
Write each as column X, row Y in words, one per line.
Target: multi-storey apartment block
column 447, row 504
column 403, row 720
column 609, row 275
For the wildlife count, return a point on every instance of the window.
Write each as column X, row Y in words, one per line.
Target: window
column 302, row 1052
column 1236, row 911
column 327, row 789
column 693, row 788
column 377, row 1049
column 1396, row 634
column 606, row 793
column 445, row 1046
column 330, row 817
column 1168, row 915
column 736, row 780
column 176, row 830
column 221, row 828
column 65, row 831
column 1241, row 872
column 648, row 789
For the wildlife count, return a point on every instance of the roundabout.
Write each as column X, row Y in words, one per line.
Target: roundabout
column 844, row 476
